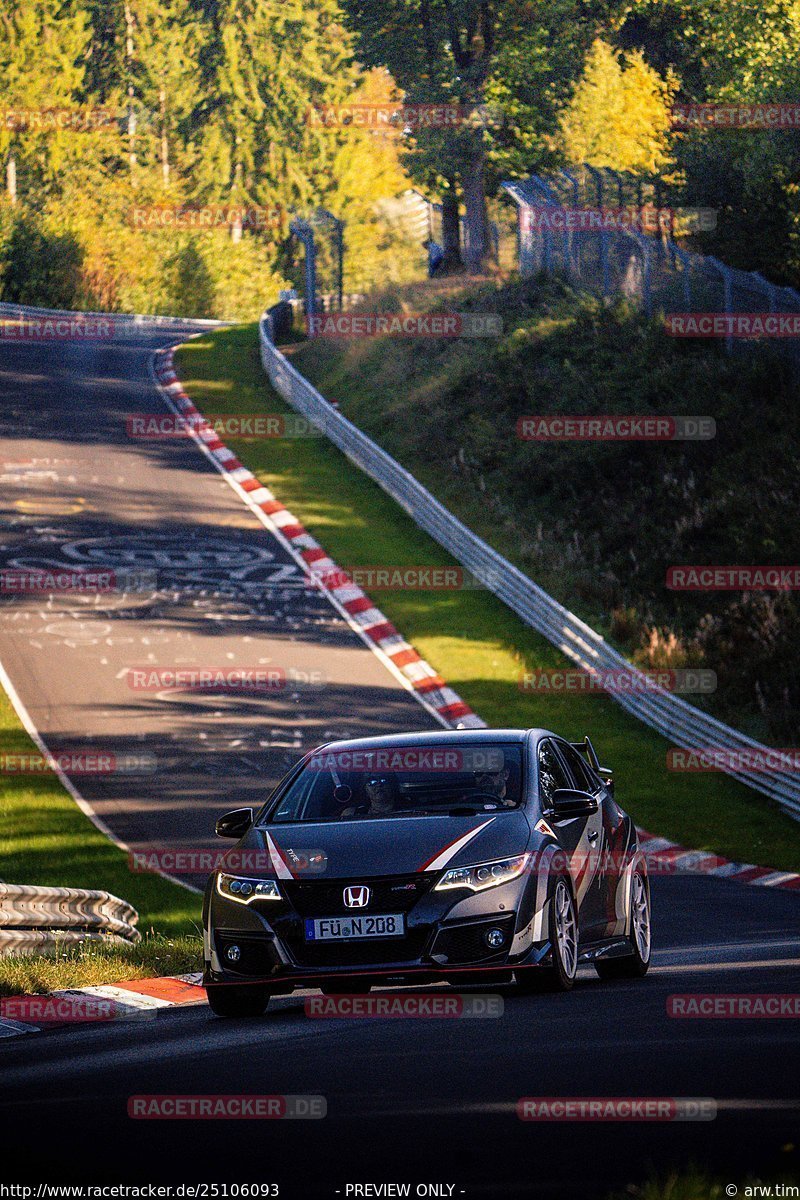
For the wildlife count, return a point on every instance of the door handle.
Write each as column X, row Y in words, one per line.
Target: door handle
column 593, row 836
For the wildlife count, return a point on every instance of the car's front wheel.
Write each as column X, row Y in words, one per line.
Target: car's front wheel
column 634, row 965
column 237, row 1000
column 559, row 975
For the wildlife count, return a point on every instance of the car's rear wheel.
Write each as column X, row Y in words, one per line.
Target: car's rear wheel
column 559, row 974
column 237, row 1000
column 634, row 965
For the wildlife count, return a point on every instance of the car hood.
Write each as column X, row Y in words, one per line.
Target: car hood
column 395, row 846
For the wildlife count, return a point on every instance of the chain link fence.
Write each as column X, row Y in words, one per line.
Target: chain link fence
column 612, row 234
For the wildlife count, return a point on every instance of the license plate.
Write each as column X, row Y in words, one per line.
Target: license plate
column 345, row 929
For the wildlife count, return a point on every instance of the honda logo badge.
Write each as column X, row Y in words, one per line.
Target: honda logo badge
column 356, row 897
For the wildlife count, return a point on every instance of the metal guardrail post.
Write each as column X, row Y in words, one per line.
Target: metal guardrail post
column 769, row 288
column 604, row 264
column 647, row 295
column 572, row 255
column 323, row 215
column 686, row 260
column 304, row 233
column 547, row 240
column 727, row 284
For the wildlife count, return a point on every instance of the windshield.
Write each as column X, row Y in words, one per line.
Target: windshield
column 357, row 785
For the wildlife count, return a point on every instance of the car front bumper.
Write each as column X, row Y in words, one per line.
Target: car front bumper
column 445, row 935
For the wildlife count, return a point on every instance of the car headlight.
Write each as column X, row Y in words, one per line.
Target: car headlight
column 244, row 891
column 484, row 875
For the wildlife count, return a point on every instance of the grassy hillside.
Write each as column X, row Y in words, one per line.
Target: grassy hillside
column 598, row 524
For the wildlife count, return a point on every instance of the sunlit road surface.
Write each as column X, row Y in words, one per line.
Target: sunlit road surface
column 211, row 589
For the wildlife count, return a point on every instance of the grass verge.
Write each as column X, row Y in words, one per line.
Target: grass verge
column 92, row 963
column 45, row 839
column 473, row 640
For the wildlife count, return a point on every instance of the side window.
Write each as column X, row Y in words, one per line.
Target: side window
column 552, row 775
column 583, row 777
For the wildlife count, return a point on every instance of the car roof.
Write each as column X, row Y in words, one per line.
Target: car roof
column 442, row 737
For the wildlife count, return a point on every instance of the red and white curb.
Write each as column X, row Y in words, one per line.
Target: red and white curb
column 668, row 858
column 417, row 675
column 430, row 689
column 102, row 1003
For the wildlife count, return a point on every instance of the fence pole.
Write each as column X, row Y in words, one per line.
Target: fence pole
column 685, row 259
column 305, row 234
column 727, row 283
column 340, row 259
column 598, row 178
column 572, row 255
column 766, row 286
column 647, row 292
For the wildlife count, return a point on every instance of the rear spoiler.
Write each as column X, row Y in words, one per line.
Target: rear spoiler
column 586, row 748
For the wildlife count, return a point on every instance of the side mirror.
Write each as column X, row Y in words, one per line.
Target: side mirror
column 569, row 803
column 235, row 824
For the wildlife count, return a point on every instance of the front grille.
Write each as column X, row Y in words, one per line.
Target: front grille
column 388, row 894
column 325, row 898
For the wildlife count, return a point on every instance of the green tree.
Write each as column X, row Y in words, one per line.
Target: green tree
column 619, row 115
column 514, row 61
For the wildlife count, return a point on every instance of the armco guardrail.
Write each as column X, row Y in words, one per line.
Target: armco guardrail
column 686, row 727
column 124, row 323
column 33, row 920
